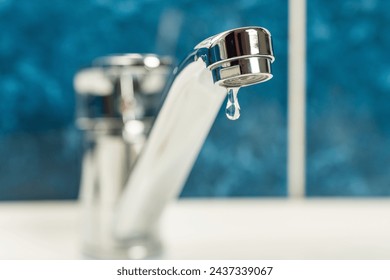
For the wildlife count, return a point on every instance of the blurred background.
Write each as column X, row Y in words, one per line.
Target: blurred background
column 43, row 44
column 348, row 98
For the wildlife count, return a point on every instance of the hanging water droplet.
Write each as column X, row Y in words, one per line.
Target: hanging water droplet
column 232, row 105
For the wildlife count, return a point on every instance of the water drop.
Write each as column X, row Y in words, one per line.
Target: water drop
column 232, row 105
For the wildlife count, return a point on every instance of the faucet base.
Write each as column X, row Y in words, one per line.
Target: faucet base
column 135, row 249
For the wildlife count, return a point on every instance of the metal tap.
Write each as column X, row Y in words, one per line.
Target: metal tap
column 135, row 164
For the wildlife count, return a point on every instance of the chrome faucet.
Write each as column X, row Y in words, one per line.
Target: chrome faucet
column 129, row 174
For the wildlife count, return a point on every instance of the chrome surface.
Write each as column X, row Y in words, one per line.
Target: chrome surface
column 193, row 97
column 238, row 57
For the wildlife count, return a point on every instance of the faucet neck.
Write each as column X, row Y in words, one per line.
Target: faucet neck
column 182, row 125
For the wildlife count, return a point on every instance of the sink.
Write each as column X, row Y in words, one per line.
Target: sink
column 217, row 229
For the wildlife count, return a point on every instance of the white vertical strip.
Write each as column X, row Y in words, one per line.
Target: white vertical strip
column 296, row 97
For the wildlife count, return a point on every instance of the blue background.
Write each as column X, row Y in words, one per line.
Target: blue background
column 43, row 43
column 348, row 98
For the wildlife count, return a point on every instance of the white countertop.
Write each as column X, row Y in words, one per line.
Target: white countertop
column 217, row 229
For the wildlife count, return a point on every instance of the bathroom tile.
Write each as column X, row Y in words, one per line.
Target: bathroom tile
column 348, row 97
column 42, row 45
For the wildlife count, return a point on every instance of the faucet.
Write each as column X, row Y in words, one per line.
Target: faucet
column 138, row 153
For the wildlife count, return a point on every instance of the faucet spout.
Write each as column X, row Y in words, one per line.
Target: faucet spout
column 134, row 163
column 232, row 59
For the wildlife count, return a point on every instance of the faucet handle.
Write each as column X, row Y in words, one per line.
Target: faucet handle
column 120, row 88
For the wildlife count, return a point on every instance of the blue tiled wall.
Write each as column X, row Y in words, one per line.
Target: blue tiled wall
column 43, row 43
column 348, row 109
